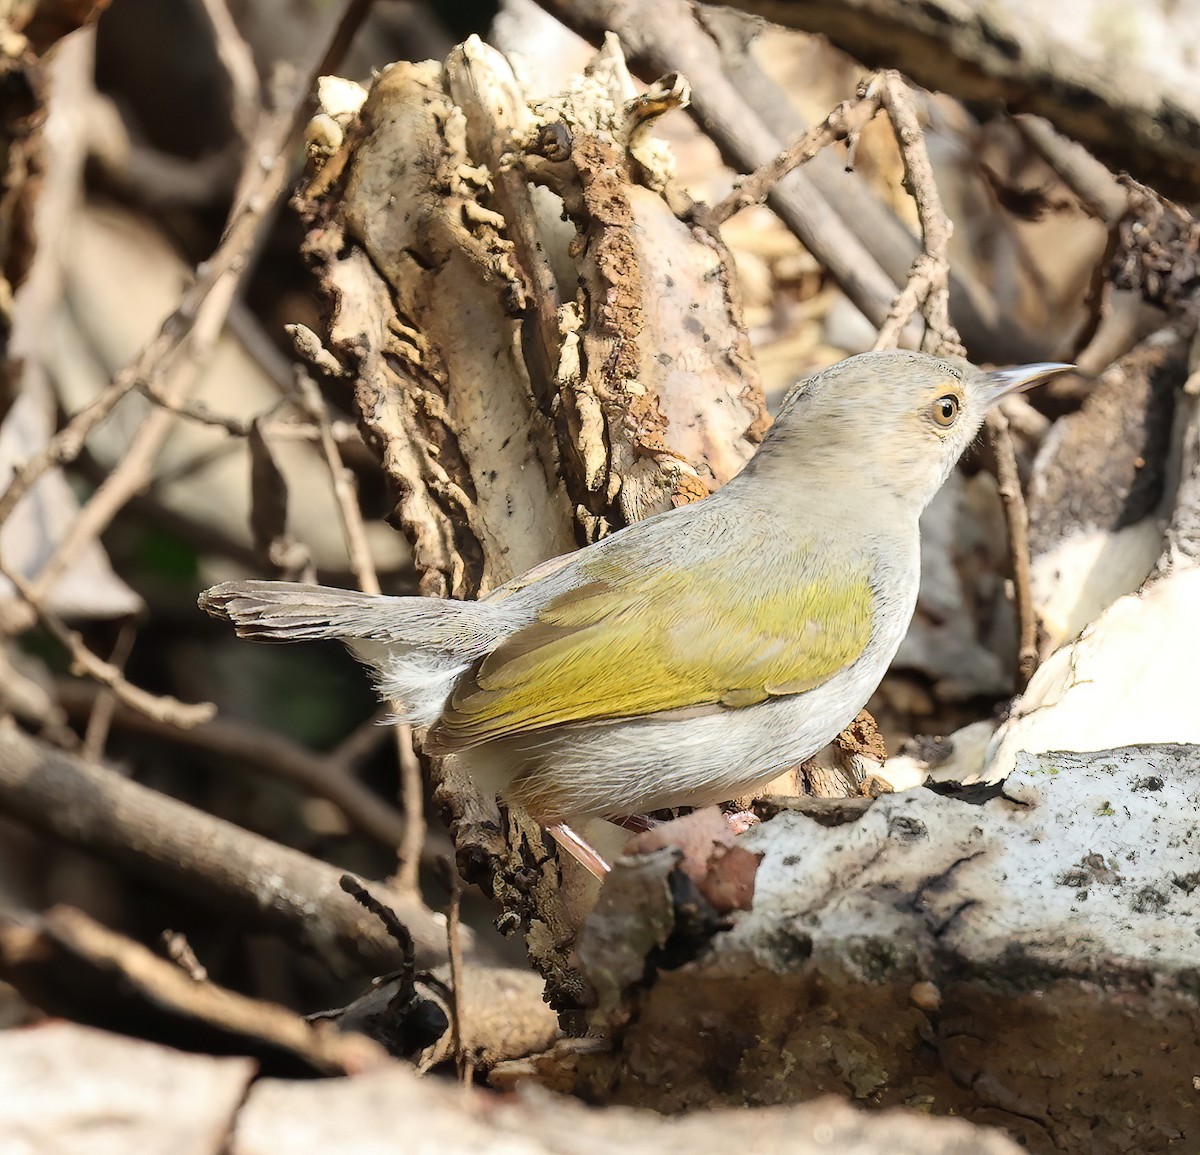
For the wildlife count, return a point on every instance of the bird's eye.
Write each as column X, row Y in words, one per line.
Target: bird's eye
column 945, row 410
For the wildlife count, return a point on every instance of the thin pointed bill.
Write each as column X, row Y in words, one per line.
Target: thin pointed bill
column 1002, row 382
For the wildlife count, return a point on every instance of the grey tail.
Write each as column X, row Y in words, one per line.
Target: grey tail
column 289, row 612
column 416, row 646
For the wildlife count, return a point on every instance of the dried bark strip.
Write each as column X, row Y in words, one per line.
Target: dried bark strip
column 516, row 422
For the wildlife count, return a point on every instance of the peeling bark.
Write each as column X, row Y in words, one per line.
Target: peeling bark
column 545, row 346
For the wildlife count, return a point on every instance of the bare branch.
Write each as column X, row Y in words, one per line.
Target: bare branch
column 240, row 874
column 412, row 798
column 1016, row 519
column 327, row 776
column 165, row 709
column 63, row 937
column 664, row 37
column 363, row 568
column 844, row 123
column 930, row 275
column 361, row 563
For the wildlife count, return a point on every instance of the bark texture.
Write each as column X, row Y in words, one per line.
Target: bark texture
column 545, row 346
column 1028, row 962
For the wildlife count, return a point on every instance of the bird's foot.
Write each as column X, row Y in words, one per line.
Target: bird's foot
column 579, row 848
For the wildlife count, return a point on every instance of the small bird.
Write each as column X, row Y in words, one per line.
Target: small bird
column 688, row 658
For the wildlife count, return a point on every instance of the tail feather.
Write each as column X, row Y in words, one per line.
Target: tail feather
column 416, row 647
column 288, row 612
column 267, row 611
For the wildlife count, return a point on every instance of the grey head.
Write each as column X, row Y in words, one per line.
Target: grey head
column 888, row 422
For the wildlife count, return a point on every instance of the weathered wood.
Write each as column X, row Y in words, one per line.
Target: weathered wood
column 545, row 346
column 1029, row 962
column 1116, row 79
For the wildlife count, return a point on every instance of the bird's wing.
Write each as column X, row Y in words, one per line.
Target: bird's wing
column 625, row 644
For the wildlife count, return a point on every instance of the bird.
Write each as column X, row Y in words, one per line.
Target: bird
column 687, row 658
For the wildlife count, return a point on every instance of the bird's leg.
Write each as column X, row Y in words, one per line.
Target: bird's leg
column 579, row 849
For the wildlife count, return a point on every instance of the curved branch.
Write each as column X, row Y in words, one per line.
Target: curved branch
column 238, row 873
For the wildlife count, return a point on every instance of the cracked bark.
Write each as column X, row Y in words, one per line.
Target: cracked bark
column 1004, row 962
column 544, row 346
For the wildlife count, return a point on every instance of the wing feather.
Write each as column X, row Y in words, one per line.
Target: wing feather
column 622, row 646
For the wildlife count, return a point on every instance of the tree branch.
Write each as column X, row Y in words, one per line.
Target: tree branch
column 240, row 874
column 1131, row 111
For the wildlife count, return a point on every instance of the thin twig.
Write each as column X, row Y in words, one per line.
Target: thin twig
column 237, row 58
column 354, row 13
column 454, row 948
column 493, row 121
column 263, row 181
column 664, row 37
column 931, row 273
column 412, row 789
column 103, row 708
column 844, row 123
column 197, row 411
column 155, row 357
column 362, row 565
column 988, row 334
column 1016, row 519
column 407, row 974
column 345, row 433
column 412, row 796
column 67, row 941
column 258, row 193
column 907, row 303
column 930, row 277
column 165, row 709
column 130, row 477
column 179, row 951
column 23, row 695
column 312, row 349
column 280, row 429
column 328, row 776
column 364, row 739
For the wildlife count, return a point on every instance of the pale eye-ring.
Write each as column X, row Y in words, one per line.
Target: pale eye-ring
column 945, row 410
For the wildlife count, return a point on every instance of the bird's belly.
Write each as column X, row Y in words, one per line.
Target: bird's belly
column 634, row 766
